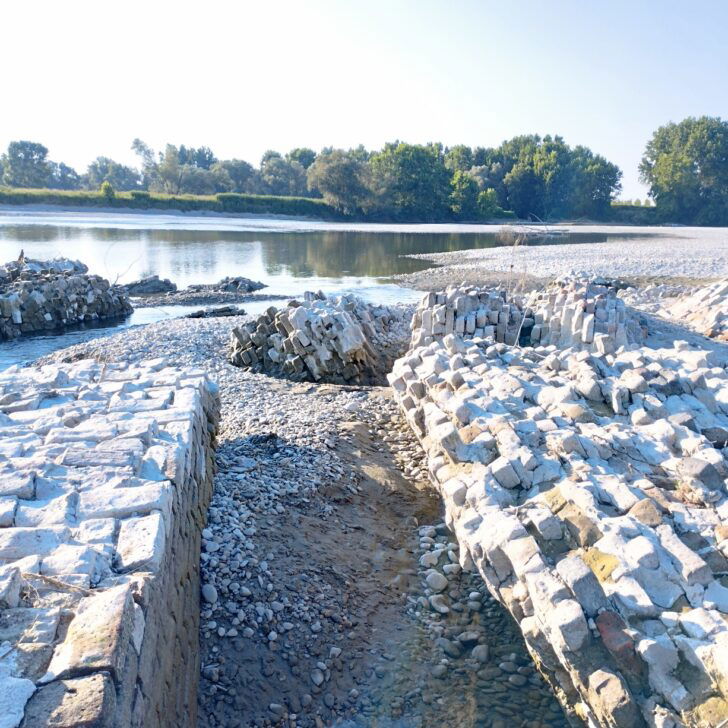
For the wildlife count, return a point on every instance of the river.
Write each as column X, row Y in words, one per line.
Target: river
column 289, row 256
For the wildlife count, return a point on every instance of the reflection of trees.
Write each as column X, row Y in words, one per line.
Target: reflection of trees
column 330, row 254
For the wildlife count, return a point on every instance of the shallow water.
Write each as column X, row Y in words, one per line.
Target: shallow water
column 289, row 256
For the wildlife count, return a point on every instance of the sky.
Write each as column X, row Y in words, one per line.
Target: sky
column 86, row 77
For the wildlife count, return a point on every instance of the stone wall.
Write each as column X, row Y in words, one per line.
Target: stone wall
column 47, row 295
column 589, row 490
column 105, row 478
column 341, row 340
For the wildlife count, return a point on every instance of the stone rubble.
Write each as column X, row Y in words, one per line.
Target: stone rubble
column 588, row 488
column 705, row 310
column 47, row 295
column 340, row 339
column 229, row 284
column 292, row 523
column 105, row 475
column 149, row 285
column 573, row 312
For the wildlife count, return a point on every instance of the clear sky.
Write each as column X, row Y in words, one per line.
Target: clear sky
column 85, row 77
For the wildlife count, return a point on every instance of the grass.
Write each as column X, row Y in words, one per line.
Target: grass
column 223, row 202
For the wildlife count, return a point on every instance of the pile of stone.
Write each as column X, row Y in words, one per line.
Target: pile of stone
column 572, row 312
column 581, row 313
column 105, row 476
column 705, row 310
column 230, row 284
column 468, row 312
column 340, row 340
column 217, row 312
column 149, row 285
column 589, row 490
column 48, row 295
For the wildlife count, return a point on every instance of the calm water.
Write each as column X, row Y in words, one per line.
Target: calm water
column 289, row 256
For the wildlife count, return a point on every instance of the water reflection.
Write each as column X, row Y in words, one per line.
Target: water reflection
column 193, row 256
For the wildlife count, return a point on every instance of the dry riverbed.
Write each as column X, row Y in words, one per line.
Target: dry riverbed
column 332, row 594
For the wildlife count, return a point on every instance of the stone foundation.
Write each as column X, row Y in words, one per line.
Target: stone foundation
column 589, row 490
column 105, row 478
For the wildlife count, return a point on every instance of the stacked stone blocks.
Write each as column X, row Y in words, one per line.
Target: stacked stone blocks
column 105, row 475
column 589, row 490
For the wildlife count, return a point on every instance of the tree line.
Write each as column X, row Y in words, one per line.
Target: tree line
column 685, row 166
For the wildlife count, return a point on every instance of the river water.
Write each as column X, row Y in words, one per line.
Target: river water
column 289, row 256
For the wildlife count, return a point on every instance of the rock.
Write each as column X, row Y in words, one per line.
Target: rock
column 480, row 653
column 49, row 295
column 340, row 340
column 148, row 285
column 436, row 581
column 83, row 701
column 209, row 593
column 439, row 603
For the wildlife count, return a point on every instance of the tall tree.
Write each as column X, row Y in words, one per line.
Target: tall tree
column 459, row 157
column 26, row 164
column 342, row 179
column 281, row 177
column 63, row 177
column 411, row 181
column 464, row 196
column 686, row 168
column 119, row 176
column 303, row 155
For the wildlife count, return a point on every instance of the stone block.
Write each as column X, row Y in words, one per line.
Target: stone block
column 97, row 637
column 84, row 702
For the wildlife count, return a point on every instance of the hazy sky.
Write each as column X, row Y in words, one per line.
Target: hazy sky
column 86, row 77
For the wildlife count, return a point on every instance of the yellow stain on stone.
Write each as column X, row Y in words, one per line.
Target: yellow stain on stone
column 600, row 563
column 712, row 712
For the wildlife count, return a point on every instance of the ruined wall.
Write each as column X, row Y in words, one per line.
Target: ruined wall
column 105, row 477
column 589, row 490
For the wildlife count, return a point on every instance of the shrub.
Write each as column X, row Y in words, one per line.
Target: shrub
column 107, row 190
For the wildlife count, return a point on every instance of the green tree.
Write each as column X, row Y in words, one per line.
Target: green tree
column 121, row 177
column 686, row 168
column 487, row 203
column 201, row 157
column 107, row 190
column 63, row 177
column 342, row 179
column 281, row 177
column 459, row 157
column 303, row 155
column 26, row 164
column 411, row 181
column 243, row 177
column 526, row 191
column 464, row 196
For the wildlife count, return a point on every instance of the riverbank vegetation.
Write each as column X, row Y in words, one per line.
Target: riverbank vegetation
column 527, row 177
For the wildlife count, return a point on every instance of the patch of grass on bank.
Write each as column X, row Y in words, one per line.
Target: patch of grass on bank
column 138, row 199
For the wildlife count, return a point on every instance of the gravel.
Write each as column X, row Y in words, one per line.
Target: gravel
column 694, row 253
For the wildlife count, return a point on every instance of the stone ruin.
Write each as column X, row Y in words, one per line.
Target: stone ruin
column 572, row 312
column 705, row 310
column 341, row 340
column 47, row 295
column 587, row 485
column 105, row 478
